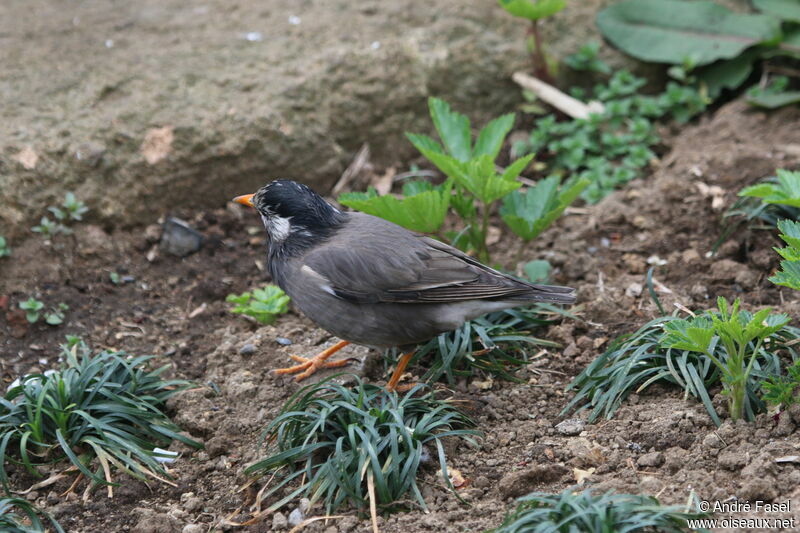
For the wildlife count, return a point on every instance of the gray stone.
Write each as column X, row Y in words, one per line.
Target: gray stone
column 141, row 122
column 279, row 521
column 179, row 238
column 247, row 349
column 296, row 517
column 570, row 427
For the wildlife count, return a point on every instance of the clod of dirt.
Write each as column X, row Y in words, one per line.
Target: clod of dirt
column 522, row 482
column 653, row 460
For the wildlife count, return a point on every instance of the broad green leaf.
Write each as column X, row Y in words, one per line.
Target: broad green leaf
column 480, row 178
column 529, row 213
column 424, row 211
column 774, row 100
column 676, row 31
column 491, row 137
column 533, row 9
column 786, row 191
column 538, row 271
column 727, row 73
column 453, row 129
column 783, row 9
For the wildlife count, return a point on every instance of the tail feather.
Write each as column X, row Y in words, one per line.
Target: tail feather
column 547, row 293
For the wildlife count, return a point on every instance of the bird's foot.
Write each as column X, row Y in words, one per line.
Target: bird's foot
column 309, row 365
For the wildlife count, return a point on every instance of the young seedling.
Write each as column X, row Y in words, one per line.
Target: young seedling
column 50, row 229
column 781, row 392
column 571, row 511
column 32, row 308
column 471, row 168
column 33, row 311
column 636, row 361
column 5, row 250
column 534, row 11
column 75, row 209
column 20, row 516
column 742, row 336
column 587, row 59
column 71, row 210
column 358, row 447
column 100, row 412
column 264, row 305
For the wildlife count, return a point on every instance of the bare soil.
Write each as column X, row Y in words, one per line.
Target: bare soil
column 658, row 443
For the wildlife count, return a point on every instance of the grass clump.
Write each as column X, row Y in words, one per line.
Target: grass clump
column 496, row 343
column 359, row 446
column 100, row 412
column 711, row 348
column 264, row 305
column 570, row 511
column 20, row 516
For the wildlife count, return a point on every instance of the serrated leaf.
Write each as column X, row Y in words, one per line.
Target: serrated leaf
column 788, row 275
column 674, row 31
column 453, row 129
column 424, row 211
column 491, row 137
column 530, row 213
column 786, row 191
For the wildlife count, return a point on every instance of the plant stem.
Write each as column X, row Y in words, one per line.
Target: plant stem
column 538, row 58
column 484, row 251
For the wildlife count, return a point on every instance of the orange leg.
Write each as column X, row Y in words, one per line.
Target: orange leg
column 309, row 365
column 401, row 367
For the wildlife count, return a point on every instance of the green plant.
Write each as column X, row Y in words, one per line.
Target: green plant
column 494, row 343
column 33, row 307
column 611, row 148
column 785, row 190
column 740, row 333
column 587, row 59
column 360, row 446
column 789, row 274
column 534, row 11
column 719, row 44
column 572, row 511
column 20, row 516
column 636, row 361
column 99, row 412
column 422, row 208
column 71, row 210
column 264, row 305
column 5, row 250
column 781, row 391
column 773, row 95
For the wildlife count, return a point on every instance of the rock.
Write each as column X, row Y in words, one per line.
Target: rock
column 180, row 239
column 570, row 427
column 193, row 504
column 194, row 528
column 732, row 460
column 571, row 350
column 521, row 482
column 279, row 522
column 296, row 517
column 247, row 349
column 634, row 290
column 653, row 460
column 153, row 522
column 712, row 441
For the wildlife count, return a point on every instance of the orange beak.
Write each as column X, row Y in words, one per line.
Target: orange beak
column 245, row 199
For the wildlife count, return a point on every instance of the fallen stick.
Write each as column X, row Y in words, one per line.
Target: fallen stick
column 563, row 102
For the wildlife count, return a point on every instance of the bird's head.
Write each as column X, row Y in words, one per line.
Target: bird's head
column 290, row 208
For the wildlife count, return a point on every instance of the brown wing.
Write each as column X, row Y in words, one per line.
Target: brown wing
column 371, row 260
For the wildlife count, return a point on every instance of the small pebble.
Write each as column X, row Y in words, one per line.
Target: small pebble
column 570, row 427
column 283, row 341
column 296, row 517
column 247, row 349
column 179, row 238
column 279, row 521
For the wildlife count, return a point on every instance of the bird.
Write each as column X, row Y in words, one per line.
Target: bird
column 371, row 282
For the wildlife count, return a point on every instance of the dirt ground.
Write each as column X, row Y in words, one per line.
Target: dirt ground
column 658, row 443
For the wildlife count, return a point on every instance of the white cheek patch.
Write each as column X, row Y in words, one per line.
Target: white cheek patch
column 278, row 227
